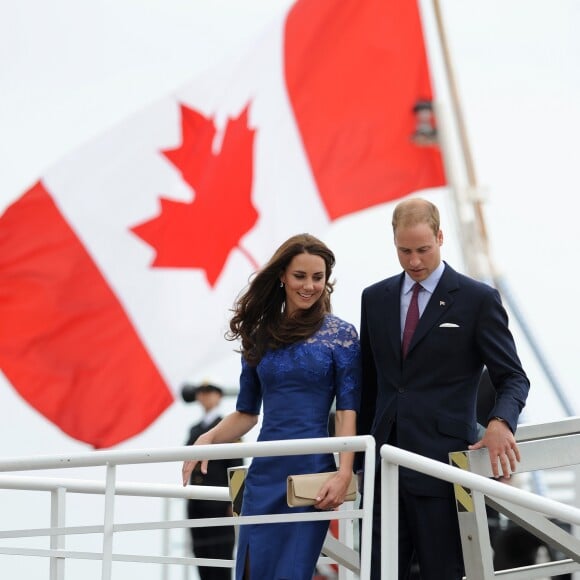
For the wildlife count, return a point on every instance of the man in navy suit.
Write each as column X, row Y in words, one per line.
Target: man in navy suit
column 425, row 401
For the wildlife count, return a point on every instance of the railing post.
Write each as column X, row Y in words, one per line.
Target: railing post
column 108, row 523
column 165, row 538
column 389, row 520
column 576, row 503
column 473, row 526
column 366, row 527
column 346, row 536
column 57, row 520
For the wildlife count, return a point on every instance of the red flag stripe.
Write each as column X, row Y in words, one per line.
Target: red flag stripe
column 66, row 343
column 354, row 72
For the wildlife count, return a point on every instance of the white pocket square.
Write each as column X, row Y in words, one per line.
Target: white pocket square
column 449, row 325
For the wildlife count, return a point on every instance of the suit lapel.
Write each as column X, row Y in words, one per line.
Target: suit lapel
column 393, row 313
column 440, row 302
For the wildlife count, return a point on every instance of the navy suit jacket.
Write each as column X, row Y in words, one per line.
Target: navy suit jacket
column 430, row 397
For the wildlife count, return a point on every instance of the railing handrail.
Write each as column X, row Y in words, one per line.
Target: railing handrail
column 531, row 431
column 480, row 483
column 97, row 487
column 214, row 451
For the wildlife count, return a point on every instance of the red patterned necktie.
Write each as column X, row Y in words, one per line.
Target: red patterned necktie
column 412, row 319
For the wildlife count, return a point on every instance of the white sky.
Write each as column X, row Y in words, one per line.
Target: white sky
column 70, row 69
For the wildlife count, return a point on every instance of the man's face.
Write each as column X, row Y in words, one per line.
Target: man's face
column 208, row 399
column 418, row 249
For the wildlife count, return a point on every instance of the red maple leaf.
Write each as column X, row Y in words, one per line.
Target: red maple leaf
column 203, row 232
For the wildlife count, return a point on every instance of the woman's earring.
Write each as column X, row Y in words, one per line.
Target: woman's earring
column 281, row 284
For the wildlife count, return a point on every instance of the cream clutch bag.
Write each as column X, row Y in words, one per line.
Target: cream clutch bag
column 301, row 490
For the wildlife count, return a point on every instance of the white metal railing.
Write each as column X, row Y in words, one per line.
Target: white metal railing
column 532, row 431
column 110, row 488
column 393, row 457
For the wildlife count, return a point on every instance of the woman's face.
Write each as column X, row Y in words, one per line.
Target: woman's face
column 304, row 281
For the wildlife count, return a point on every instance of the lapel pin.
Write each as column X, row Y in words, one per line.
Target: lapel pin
column 441, row 303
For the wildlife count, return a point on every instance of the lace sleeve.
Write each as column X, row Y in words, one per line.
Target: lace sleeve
column 347, row 367
column 250, row 395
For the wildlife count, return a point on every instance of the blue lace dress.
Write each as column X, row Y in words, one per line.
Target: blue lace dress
column 296, row 385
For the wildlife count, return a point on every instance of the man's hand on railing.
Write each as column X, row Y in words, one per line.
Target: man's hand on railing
column 502, row 447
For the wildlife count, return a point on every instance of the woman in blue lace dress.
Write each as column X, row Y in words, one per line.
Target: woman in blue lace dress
column 297, row 358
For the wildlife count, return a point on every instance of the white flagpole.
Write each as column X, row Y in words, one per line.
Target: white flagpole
column 468, row 199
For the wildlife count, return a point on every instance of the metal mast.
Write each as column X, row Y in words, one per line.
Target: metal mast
column 468, row 206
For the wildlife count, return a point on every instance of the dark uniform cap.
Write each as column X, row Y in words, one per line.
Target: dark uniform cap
column 208, row 388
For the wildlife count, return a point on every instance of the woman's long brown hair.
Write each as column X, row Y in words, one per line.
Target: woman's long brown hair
column 259, row 319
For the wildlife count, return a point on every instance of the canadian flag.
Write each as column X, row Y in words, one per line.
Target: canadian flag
column 119, row 266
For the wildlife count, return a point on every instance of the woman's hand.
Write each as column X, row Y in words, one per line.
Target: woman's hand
column 190, row 464
column 229, row 429
column 333, row 493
